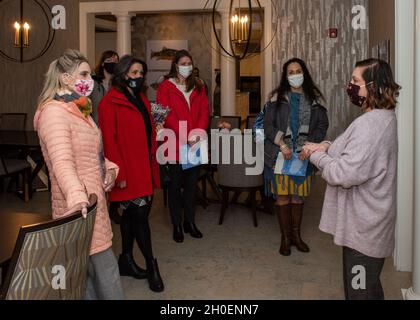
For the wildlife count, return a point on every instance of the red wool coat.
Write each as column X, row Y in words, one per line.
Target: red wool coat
column 125, row 143
column 196, row 115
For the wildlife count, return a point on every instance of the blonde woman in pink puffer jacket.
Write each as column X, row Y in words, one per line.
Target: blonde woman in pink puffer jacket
column 72, row 147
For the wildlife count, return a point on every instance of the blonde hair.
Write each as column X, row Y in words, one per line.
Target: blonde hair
column 68, row 62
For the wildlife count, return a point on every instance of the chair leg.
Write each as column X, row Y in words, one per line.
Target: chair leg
column 254, row 207
column 215, row 187
column 26, row 187
column 202, row 199
column 225, row 205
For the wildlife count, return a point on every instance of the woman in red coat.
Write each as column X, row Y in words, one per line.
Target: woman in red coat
column 129, row 136
column 186, row 96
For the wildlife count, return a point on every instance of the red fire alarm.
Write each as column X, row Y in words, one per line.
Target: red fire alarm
column 333, row 33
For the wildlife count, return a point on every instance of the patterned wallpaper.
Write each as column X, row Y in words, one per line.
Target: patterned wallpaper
column 186, row 26
column 303, row 32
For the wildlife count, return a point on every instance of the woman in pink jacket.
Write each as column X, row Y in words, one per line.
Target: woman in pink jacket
column 72, row 147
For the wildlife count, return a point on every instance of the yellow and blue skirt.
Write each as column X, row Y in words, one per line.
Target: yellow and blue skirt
column 282, row 185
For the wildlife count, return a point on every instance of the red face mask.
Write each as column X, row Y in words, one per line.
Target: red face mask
column 353, row 91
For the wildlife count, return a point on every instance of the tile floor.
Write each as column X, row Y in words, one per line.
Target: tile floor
column 236, row 260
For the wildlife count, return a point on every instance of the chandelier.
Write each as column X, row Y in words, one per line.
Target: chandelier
column 20, row 35
column 245, row 36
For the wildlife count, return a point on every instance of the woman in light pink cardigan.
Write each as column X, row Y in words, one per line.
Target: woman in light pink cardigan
column 360, row 168
column 72, row 146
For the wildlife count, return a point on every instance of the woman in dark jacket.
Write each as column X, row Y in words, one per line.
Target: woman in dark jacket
column 103, row 76
column 129, row 135
column 296, row 117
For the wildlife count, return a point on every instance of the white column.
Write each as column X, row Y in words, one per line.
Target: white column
column 267, row 83
column 123, row 32
column 228, row 71
column 404, row 64
column 414, row 292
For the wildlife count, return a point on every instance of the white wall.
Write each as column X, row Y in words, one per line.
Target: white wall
column 404, row 67
column 105, row 41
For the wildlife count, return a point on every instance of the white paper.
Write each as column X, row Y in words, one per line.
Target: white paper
column 279, row 164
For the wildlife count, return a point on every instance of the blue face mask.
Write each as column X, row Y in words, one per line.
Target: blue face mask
column 296, row 81
column 185, row 71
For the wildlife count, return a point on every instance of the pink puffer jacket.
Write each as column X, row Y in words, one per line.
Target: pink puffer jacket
column 72, row 146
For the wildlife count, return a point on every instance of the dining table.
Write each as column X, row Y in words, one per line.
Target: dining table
column 19, row 138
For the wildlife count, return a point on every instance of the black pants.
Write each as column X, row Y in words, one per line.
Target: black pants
column 362, row 276
column 135, row 226
column 182, row 193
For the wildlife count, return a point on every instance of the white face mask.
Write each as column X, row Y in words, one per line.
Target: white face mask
column 185, row 71
column 296, row 81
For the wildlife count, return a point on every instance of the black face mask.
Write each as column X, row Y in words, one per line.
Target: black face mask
column 353, row 93
column 110, row 67
column 135, row 84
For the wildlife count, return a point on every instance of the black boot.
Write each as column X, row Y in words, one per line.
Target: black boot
column 284, row 217
column 153, row 276
column 129, row 268
column 297, row 213
column 178, row 234
column 192, row 229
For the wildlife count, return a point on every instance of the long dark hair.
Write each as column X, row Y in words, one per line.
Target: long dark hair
column 310, row 89
column 99, row 70
column 122, row 69
column 383, row 91
column 192, row 81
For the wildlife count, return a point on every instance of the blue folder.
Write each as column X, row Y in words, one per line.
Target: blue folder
column 295, row 167
column 190, row 157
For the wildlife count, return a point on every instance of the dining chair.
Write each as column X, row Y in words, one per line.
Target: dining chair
column 234, row 121
column 15, row 168
column 207, row 171
column 50, row 260
column 233, row 177
column 250, row 122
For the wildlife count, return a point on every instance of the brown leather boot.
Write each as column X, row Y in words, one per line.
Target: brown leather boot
column 283, row 215
column 297, row 213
